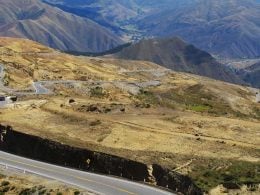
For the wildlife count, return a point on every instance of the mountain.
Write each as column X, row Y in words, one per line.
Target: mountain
column 106, row 13
column 175, row 54
column 228, row 28
column 225, row 28
column 251, row 74
column 53, row 27
column 119, row 16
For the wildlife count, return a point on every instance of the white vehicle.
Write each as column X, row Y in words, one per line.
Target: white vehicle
column 7, row 99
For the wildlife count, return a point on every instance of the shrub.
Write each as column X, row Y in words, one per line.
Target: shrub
column 5, row 183
column 97, row 92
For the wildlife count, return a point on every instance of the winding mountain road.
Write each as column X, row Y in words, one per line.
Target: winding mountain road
column 38, row 88
column 99, row 184
column 96, row 183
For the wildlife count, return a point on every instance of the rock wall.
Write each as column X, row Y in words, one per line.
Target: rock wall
column 45, row 150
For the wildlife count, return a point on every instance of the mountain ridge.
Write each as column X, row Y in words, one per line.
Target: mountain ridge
column 175, row 54
column 54, row 27
column 227, row 28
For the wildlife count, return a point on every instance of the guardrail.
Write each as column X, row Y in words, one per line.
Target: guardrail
column 24, row 171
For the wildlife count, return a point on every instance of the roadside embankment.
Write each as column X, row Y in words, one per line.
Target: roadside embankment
column 37, row 148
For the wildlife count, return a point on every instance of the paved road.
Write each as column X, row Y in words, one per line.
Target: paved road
column 89, row 181
column 38, row 88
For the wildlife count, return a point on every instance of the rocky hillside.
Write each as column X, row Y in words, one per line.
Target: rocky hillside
column 53, row 27
column 175, row 54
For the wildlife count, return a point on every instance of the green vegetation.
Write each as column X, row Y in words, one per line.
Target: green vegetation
column 76, row 192
column 199, row 108
column 236, row 174
column 147, row 97
column 6, row 79
column 5, row 183
column 97, row 92
column 4, row 187
column 26, row 191
column 195, row 98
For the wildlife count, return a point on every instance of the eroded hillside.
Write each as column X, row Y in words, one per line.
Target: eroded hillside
column 138, row 110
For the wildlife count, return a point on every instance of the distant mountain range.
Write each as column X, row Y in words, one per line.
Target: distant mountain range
column 53, row 27
column 225, row 28
column 175, row 54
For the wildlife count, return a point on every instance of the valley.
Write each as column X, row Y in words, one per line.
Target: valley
column 135, row 110
column 227, row 29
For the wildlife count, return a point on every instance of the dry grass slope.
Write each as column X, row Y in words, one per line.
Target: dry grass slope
column 197, row 126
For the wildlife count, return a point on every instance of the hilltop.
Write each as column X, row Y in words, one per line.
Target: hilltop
column 175, row 54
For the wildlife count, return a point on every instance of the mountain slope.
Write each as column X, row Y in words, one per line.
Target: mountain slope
column 110, row 14
column 53, row 27
column 229, row 28
column 120, row 16
column 217, row 121
column 251, row 74
column 177, row 55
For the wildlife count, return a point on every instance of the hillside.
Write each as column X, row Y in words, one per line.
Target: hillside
column 175, row 54
column 136, row 110
column 53, row 27
column 110, row 13
column 227, row 28
column 120, row 16
column 251, row 74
